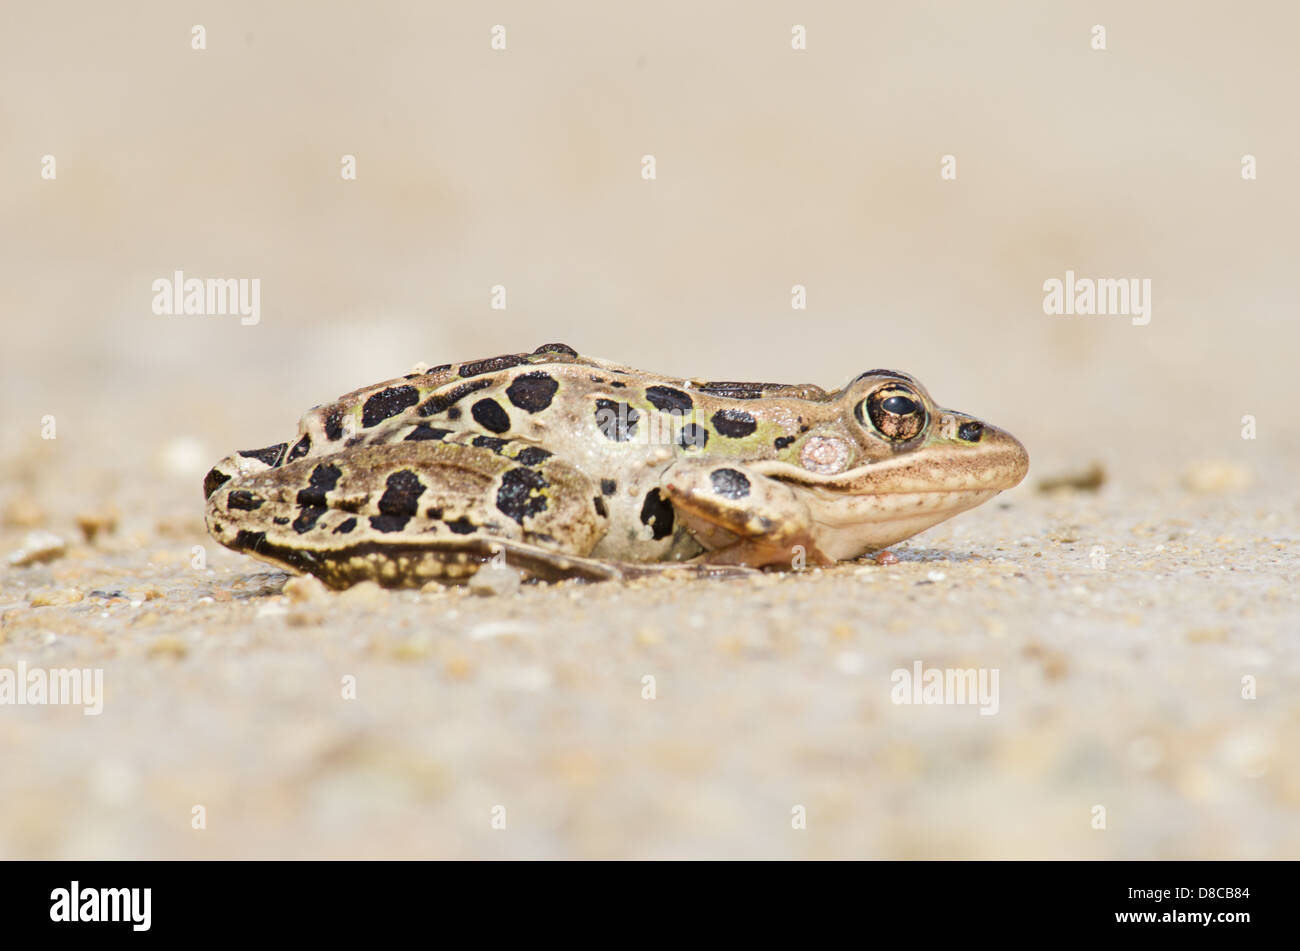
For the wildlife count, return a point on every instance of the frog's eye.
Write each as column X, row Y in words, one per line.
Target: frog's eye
column 895, row 411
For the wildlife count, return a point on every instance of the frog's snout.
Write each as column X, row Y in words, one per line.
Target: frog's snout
column 1005, row 457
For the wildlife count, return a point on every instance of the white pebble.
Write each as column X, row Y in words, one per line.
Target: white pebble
column 271, row 609
column 184, row 456
column 37, row 547
column 495, row 580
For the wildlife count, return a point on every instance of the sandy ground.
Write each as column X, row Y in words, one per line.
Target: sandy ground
column 1120, row 685
column 1130, row 626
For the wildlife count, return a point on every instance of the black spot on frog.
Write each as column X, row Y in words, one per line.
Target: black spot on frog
column 532, row 456
column 489, row 414
column 616, row 421
column 424, row 431
column 334, row 426
column 271, row 455
column 490, row 366
column 323, row 478
column 243, row 500
column 669, row 399
column 388, row 403
column 657, row 512
column 300, row 449
column 734, row 423
column 532, row 392
column 515, row 497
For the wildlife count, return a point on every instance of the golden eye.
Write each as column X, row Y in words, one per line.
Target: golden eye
column 895, row 411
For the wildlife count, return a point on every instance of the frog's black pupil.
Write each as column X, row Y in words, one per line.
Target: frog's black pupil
column 899, row 406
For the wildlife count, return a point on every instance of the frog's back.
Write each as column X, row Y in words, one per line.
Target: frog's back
column 551, row 414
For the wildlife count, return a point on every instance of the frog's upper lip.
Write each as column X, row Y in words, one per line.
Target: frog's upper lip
column 998, row 461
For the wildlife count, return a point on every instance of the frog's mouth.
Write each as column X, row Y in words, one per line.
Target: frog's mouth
column 876, row 505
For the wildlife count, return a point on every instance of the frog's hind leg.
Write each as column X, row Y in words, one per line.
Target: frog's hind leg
column 741, row 517
column 405, row 513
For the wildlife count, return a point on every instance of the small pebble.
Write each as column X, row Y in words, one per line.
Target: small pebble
column 184, row 456
column 168, row 645
column 1080, row 480
column 415, row 647
column 38, row 546
column 23, row 512
column 458, row 667
column 1204, row 478
column 47, row 597
column 365, row 594
column 271, row 609
column 885, row 558
column 305, row 588
column 97, row 522
column 495, row 580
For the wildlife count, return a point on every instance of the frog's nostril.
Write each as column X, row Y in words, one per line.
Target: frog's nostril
column 970, row 431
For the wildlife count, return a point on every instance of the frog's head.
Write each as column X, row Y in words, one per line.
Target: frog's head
column 895, row 420
column 889, row 462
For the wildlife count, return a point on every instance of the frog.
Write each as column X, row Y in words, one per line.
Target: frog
column 562, row 466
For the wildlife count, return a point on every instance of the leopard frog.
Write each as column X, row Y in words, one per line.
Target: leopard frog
column 567, row 466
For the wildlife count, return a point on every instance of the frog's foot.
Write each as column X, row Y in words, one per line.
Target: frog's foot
column 742, row 517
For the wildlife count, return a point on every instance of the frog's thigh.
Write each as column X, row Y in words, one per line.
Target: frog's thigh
column 402, row 513
column 740, row 516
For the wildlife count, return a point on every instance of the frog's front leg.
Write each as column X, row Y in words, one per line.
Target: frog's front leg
column 740, row 516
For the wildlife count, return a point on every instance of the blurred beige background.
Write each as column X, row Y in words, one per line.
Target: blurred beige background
column 775, row 167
